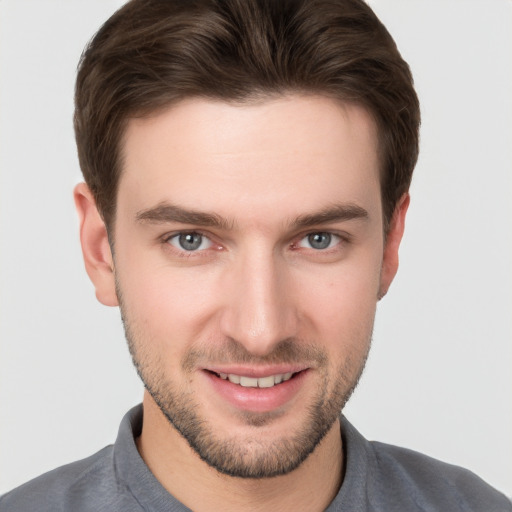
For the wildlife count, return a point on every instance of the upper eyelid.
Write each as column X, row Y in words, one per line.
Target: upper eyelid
column 340, row 239
column 343, row 235
column 164, row 241
column 167, row 236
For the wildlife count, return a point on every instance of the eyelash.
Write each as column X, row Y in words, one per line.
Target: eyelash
column 183, row 253
column 342, row 240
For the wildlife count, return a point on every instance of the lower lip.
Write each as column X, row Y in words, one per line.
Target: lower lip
column 257, row 399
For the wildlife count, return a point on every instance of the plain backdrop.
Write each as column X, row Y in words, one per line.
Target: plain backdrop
column 439, row 378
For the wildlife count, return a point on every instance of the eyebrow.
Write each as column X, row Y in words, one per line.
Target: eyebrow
column 167, row 213
column 333, row 213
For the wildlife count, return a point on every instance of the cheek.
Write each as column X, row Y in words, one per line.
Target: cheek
column 349, row 287
column 344, row 325
column 341, row 304
column 165, row 303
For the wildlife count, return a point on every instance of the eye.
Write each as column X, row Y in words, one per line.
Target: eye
column 190, row 242
column 319, row 241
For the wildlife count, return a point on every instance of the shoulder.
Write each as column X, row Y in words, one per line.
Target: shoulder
column 381, row 476
column 88, row 484
column 429, row 482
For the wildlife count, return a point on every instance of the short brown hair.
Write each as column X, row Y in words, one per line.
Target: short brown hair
column 153, row 53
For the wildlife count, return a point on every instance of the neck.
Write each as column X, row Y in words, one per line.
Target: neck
column 312, row 486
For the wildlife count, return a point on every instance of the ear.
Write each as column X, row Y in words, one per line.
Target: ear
column 393, row 239
column 98, row 259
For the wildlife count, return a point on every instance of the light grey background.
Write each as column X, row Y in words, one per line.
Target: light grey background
column 439, row 378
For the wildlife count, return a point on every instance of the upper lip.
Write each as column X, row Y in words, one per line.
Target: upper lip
column 257, row 371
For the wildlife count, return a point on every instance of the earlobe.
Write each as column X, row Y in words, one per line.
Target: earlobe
column 98, row 259
column 393, row 239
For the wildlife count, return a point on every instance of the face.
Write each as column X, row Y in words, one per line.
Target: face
column 249, row 256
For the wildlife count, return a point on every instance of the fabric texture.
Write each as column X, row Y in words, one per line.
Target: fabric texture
column 378, row 477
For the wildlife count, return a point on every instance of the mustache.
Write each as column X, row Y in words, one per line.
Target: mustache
column 288, row 351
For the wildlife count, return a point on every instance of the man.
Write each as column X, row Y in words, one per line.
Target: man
column 247, row 168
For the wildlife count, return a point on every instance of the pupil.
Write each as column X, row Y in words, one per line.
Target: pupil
column 190, row 241
column 319, row 240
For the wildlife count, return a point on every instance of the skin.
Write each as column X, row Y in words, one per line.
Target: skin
column 256, row 283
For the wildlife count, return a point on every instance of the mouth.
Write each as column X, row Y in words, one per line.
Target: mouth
column 258, row 390
column 256, row 382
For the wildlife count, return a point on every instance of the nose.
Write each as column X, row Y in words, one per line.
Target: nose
column 259, row 307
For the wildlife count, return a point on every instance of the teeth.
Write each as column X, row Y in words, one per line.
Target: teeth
column 248, row 382
column 254, row 382
column 266, row 382
column 235, row 379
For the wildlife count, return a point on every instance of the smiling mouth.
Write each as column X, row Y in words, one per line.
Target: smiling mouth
column 256, row 382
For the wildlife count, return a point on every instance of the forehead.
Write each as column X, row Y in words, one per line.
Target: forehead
column 292, row 153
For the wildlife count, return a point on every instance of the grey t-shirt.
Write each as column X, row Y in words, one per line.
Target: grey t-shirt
column 378, row 477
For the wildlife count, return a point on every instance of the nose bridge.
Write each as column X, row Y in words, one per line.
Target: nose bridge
column 260, row 311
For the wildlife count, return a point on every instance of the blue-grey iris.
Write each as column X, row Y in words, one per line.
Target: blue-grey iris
column 190, row 241
column 320, row 240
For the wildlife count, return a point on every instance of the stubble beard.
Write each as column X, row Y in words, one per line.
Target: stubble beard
column 233, row 454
